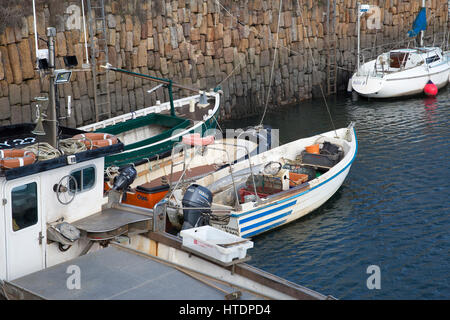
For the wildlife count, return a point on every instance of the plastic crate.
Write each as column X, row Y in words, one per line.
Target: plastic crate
column 297, row 179
column 215, row 243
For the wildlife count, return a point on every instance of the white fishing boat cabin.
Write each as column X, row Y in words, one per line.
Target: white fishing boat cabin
column 40, row 196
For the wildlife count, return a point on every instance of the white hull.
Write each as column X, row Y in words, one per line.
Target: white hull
column 374, row 87
column 150, row 171
column 281, row 212
column 201, row 119
column 290, row 209
column 279, row 209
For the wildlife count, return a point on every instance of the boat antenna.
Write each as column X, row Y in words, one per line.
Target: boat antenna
column 85, row 36
column 35, row 34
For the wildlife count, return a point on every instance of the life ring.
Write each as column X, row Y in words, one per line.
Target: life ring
column 196, row 140
column 15, row 158
column 97, row 140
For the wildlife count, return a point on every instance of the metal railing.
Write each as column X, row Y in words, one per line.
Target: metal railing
column 229, row 164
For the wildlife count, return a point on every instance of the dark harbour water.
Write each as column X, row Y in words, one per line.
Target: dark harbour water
column 393, row 209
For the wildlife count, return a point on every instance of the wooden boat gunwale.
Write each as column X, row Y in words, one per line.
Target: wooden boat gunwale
column 161, row 144
column 147, row 120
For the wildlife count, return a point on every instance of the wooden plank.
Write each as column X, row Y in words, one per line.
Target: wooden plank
column 252, row 273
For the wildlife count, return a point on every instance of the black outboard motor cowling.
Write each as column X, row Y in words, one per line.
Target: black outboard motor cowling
column 196, row 196
column 125, row 178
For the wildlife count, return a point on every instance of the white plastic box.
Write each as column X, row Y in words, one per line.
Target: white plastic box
column 209, row 241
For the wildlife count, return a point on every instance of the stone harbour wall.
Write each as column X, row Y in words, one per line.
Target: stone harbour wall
column 204, row 43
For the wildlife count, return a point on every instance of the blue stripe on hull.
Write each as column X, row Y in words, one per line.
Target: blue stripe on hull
column 265, row 213
column 266, row 221
column 264, row 229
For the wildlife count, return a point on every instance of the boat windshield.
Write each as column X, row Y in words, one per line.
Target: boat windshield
column 398, row 59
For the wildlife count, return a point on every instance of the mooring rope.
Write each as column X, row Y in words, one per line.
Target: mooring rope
column 71, row 146
column 43, row 151
column 229, row 75
column 314, row 64
column 273, row 64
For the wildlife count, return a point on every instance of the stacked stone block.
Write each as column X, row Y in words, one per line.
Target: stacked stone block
column 203, row 43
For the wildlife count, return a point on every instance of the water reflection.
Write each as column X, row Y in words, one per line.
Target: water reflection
column 431, row 105
column 392, row 210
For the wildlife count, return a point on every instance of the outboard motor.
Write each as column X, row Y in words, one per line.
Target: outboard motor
column 200, row 197
column 125, row 178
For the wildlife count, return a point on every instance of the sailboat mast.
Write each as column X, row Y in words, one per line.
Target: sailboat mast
column 422, row 31
column 359, row 35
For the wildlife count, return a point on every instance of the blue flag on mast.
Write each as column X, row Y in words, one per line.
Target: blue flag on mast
column 419, row 24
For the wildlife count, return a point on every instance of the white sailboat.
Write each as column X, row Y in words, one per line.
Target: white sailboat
column 402, row 72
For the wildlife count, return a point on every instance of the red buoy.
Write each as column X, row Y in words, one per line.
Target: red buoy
column 430, row 89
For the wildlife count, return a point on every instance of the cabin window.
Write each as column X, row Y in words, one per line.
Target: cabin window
column 398, row 59
column 85, row 179
column 432, row 59
column 24, row 206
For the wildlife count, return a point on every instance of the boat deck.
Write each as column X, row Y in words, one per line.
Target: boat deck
column 116, row 273
column 112, row 222
column 190, row 173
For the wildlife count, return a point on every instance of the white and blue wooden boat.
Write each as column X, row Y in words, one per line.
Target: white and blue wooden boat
column 235, row 208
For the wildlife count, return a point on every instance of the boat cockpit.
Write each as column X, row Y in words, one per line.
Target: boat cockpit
column 404, row 59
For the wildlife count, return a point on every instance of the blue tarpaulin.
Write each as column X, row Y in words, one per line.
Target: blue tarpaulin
column 419, row 24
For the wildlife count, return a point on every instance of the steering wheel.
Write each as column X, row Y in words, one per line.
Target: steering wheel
column 272, row 168
column 66, row 189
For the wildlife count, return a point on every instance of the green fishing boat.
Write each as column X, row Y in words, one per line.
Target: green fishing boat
column 150, row 133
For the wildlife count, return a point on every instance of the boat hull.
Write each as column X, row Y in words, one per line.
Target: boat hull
column 401, row 84
column 291, row 209
column 278, row 210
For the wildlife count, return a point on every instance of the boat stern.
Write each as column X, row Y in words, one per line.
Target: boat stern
column 367, row 85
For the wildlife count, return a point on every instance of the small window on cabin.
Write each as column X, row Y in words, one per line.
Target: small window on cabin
column 24, row 206
column 432, row 59
column 77, row 176
column 85, row 179
column 88, row 178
